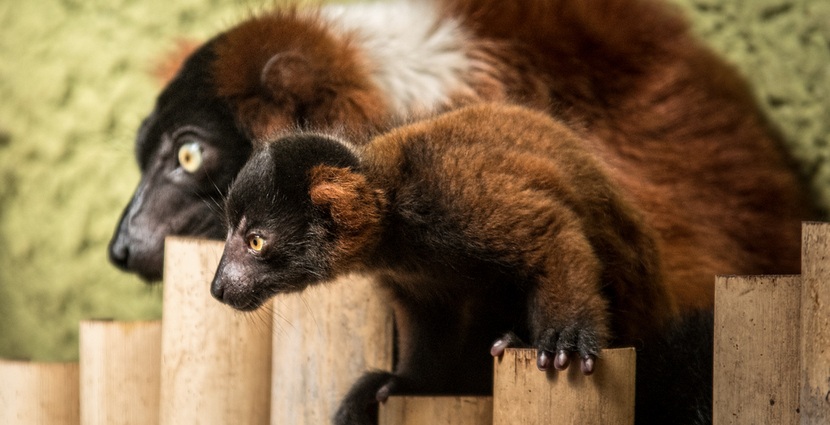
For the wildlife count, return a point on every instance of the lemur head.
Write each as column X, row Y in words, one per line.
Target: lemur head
column 280, row 71
column 299, row 213
column 188, row 150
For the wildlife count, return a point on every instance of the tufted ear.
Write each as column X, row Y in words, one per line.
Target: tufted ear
column 288, row 76
column 355, row 208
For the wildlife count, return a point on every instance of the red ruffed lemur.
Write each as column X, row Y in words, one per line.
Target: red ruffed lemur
column 673, row 122
column 491, row 222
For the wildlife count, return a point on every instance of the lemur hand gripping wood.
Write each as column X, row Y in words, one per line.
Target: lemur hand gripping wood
column 486, row 221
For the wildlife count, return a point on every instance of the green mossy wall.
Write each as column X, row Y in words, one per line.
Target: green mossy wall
column 75, row 83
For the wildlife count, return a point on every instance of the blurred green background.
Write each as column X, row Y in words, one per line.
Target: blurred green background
column 76, row 80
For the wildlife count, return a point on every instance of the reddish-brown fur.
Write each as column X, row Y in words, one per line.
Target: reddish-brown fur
column 625, row 71
column 481, row 221
column 352, row 205
column 677, row 176
column 544, row 200
column 317, row 78
column 677, row 127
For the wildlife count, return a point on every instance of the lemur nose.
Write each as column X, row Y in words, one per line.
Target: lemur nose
column 217, row 289
column 119, row 253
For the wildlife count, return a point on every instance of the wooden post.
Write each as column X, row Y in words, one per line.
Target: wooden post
column 324, row 339
column 756, row 343
column 38, row 393
column 815, row 324
column 524, row 395
column 412, row 410
column 120, row 372
column 215, row 361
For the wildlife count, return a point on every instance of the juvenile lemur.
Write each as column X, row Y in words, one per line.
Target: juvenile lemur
column 625, row 72
column 484, row 221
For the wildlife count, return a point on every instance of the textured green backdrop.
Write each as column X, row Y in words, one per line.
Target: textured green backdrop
column 75, row 83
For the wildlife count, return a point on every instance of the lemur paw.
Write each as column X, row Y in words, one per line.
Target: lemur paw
column 556, row 347
column 565, row 344
column 509, row 340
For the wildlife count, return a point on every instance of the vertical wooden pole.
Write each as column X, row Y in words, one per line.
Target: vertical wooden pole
column 120, row 372
column 815, row 324
column 756, row 342
column 38, row 393
column 324, row 339
column 524, row 395
column 437, row 411
column 215, row 361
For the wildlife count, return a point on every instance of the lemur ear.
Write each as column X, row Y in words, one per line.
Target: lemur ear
column 354, row 207
column 288, row 75
column 342, row 192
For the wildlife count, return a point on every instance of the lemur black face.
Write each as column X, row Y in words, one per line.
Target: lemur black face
column 189, row 151
column 278, row 240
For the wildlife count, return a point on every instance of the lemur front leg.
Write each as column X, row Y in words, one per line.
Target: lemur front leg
column 567, row 312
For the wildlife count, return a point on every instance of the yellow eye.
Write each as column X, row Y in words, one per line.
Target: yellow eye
column 190, row 156
column 256, row 242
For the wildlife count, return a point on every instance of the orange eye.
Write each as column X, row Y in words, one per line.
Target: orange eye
column 256, row 242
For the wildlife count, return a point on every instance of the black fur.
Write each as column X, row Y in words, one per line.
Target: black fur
column 279, row 200
column 674, row 374
column 169, row 200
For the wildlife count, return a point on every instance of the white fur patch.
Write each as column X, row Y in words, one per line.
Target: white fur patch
column 419, row 59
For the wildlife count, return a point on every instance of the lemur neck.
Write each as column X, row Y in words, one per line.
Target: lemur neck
column 418, row 58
